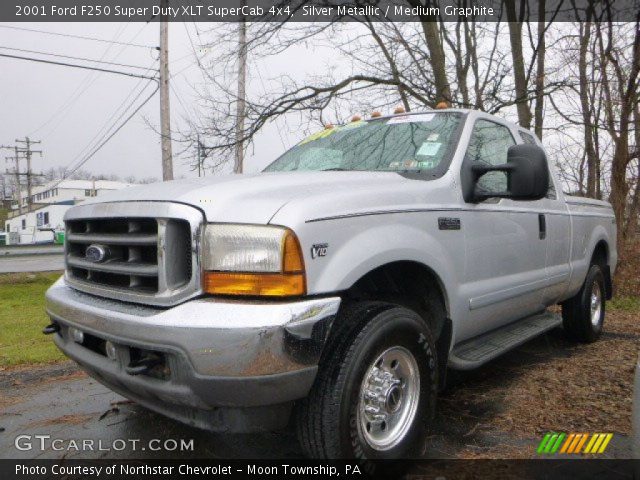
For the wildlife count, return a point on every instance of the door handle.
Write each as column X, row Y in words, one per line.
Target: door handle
column 542, row 226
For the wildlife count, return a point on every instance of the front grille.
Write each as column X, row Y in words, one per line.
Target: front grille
column 132, row 252
column 146, row 259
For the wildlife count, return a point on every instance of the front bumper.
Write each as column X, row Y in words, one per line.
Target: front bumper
column 230, row 362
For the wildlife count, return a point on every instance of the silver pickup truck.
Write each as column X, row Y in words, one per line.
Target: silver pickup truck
column 335, row 288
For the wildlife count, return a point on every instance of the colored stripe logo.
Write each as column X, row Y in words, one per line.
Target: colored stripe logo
column 574, row 443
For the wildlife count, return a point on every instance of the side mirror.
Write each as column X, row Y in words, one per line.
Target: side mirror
column 527, row 174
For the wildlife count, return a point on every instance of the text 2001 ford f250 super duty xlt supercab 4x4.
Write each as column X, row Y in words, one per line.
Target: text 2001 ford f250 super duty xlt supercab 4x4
column 336, row 287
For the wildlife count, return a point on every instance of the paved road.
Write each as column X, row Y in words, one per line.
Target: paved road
column 31, row 263
column 62, row 402
column 30, row 250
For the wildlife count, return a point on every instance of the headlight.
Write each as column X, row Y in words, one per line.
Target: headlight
column 252, row 260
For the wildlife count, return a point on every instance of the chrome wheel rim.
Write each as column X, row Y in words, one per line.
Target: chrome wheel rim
column 389, row 397
column 596, row 304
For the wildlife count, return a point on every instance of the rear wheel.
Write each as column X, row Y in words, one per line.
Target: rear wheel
column 376, row 386
column 583, row 314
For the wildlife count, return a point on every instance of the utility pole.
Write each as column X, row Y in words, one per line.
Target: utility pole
column 16, row 172
column 17, row 193
column 28, row 152
column 165, row 117
column 241, row 102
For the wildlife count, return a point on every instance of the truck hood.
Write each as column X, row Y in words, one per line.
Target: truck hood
column 253, row 198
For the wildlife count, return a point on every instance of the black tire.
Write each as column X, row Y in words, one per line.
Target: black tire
column 328, row 421
column 577, row 318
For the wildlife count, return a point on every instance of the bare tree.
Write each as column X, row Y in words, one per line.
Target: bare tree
column 519, row 72
column 620, row 81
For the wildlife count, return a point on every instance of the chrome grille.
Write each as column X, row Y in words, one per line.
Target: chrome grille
column 132, row 246
column 145, row 252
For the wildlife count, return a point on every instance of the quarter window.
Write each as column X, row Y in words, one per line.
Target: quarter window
column 489, row 144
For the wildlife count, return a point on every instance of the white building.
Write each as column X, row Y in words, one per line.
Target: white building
column 76, row 190
column 48, row 205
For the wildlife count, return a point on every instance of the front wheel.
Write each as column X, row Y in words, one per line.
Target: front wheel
column 375, row 389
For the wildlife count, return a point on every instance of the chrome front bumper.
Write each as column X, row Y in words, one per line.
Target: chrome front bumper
column 225, row 357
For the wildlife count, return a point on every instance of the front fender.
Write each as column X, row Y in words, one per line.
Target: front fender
column 362, row 247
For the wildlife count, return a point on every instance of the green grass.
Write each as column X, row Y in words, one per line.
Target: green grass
column 4, row 212
column 626, row 304
column 22, row 318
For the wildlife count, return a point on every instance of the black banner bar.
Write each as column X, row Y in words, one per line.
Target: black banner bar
column 552, row 469
column 311, row 10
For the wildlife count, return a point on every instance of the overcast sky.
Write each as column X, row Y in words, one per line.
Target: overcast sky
column 66, row 108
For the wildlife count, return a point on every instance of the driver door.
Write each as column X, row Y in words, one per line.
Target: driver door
column 504, row 255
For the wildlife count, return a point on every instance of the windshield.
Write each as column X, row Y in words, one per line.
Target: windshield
column 420, row 142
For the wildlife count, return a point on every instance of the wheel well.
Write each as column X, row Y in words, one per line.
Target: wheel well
column 410, row 284
column 601, row 257
column 600, row 253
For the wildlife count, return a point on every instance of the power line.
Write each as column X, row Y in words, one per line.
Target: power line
column 79, row 37
column 184, row 107
column 105, row 128
column 73, row 58
column 195, row 54
column 97, row 149
column 193, row 48
column 84, row 85
column 85, row 67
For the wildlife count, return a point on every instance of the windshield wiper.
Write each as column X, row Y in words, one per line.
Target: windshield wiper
column 335, row 169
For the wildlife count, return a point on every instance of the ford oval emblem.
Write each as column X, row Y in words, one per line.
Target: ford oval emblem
column 96, row 253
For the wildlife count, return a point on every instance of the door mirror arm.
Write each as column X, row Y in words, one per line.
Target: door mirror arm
column 478, row 170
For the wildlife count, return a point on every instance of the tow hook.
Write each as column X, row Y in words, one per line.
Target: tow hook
column 143, row 366
column 52, row 328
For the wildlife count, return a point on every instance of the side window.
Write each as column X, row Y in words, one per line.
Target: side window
column 489, row 145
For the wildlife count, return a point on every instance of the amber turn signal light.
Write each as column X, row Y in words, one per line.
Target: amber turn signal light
column 255, row 284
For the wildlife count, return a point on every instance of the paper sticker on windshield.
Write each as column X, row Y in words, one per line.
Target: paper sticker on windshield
column 429, row 164
column 420, row 117
column 428, row 149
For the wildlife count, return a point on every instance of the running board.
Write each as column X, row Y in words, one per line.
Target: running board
column 479, row 350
